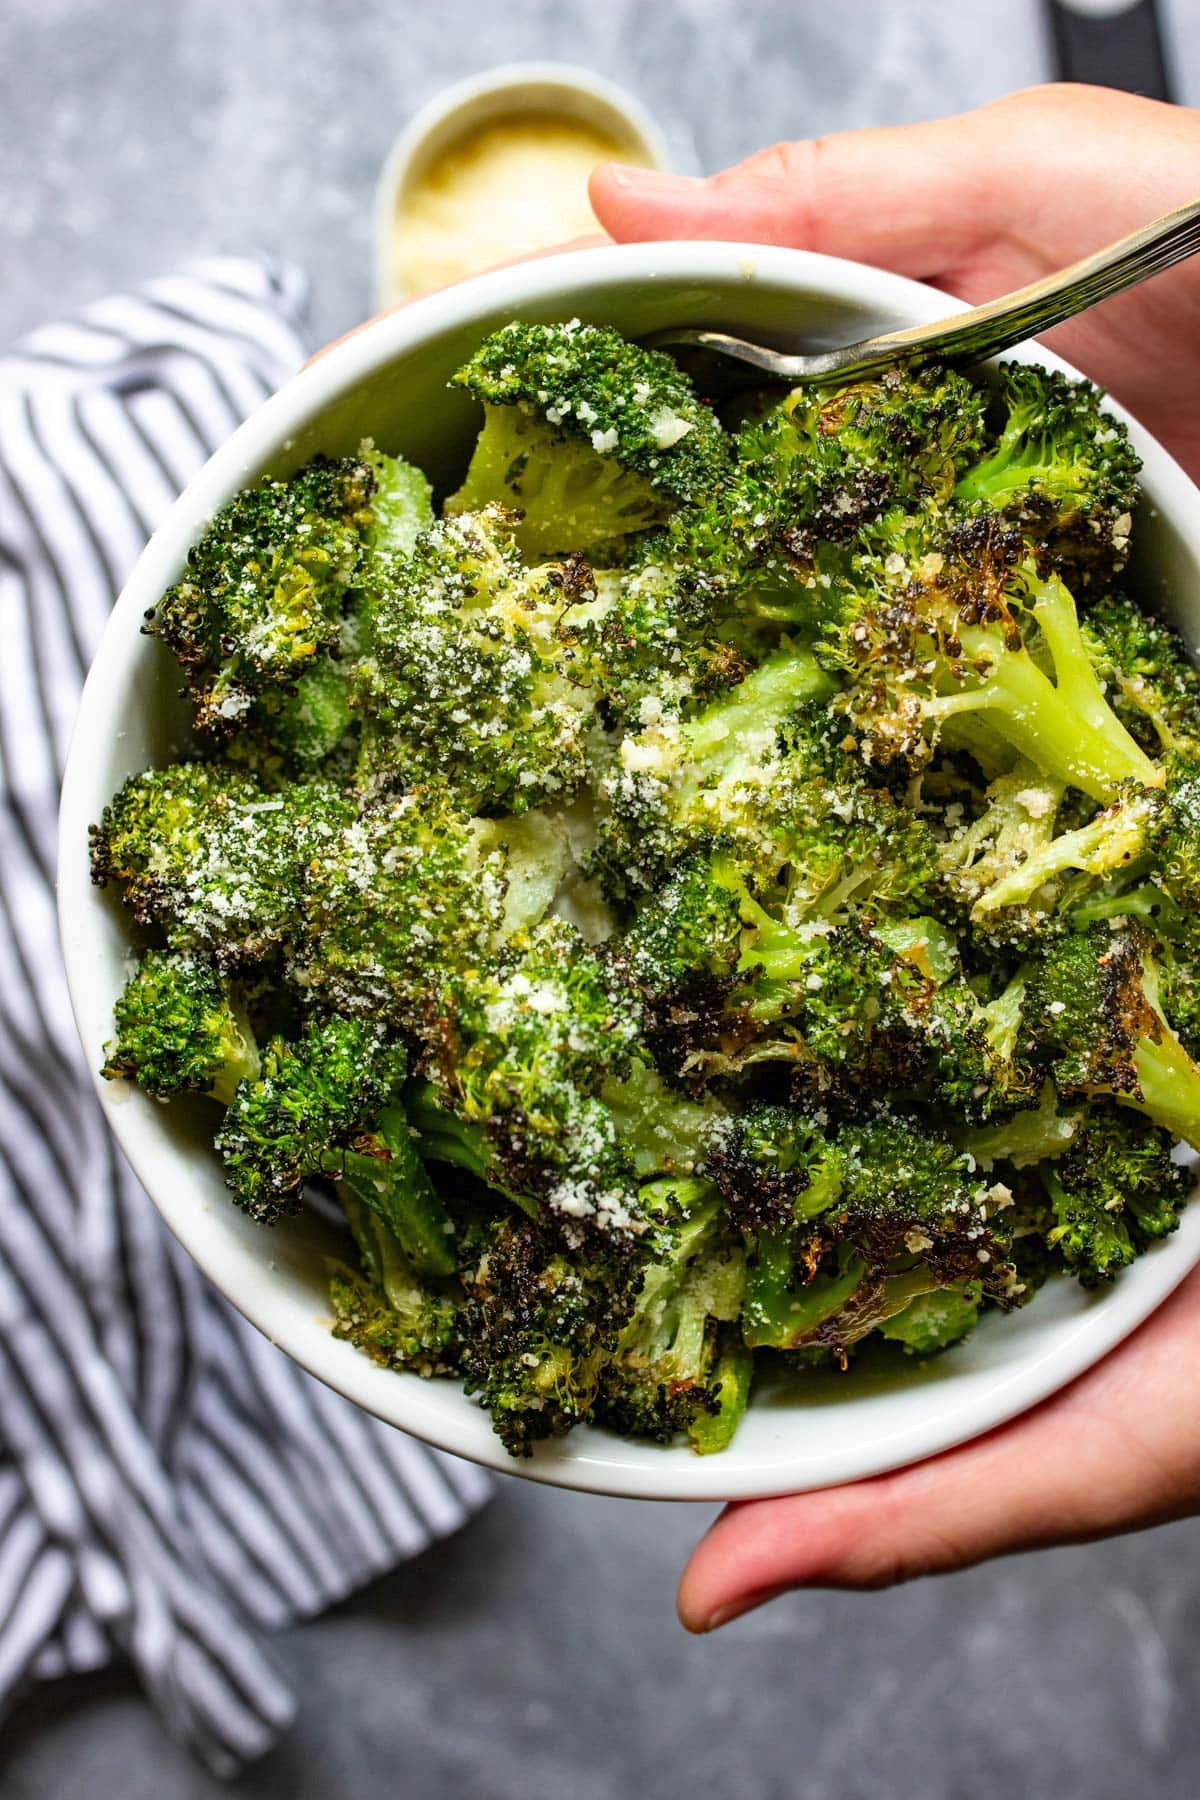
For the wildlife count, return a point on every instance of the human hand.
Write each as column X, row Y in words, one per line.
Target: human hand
column 977, row 204
column 1116, row 1451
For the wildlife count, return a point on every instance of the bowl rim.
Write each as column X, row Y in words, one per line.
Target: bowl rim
column 601, row 1463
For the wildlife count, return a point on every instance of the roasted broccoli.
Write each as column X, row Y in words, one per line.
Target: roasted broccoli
column 180, row 1027
column 1061, row 468
column 716, row 894
column 588, row 436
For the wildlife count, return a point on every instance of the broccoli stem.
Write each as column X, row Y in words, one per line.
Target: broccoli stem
column 393, row 1182
column 1170, row 1084
column 1040, row 720
column 242, row 1063
column 1147, row 902
column 778, row 1312
column 1027, row 1137
column 1112, row 841
column 751, row 716
column 732, row 1375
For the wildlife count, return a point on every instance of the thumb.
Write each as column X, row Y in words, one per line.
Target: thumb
column 914, row 198
column 1118, row 1450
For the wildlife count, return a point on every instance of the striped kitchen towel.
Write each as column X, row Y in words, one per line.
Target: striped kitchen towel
column 171, row 1487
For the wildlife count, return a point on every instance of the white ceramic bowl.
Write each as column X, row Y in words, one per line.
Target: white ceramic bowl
column 389, row 382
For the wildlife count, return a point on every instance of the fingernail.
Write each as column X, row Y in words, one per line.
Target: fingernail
column 733, row 1609
column 631, row 179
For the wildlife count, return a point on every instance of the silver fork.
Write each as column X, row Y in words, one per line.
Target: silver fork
column 970, row 337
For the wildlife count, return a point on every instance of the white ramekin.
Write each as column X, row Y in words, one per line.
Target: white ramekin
column 533, row 87
column 389, row 382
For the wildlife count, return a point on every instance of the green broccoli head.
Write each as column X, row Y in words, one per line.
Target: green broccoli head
column 687, row 933
column 520, row 1046
column 179, row 1027
column 202, row 851
column 538, row 1325
column 1115, row 1189
column 838, row 457
column 592, row 386
column 300, row 733
column 472, row 671
column 649, row 649
column 776, row 1168
column 402, row 1326
column 406, row 887
column 1094, row 1020
column 907, row 1189
column 665, row 1375
column 263, row 590
column 301, row 1117
column 1155, row 689
column 954, row 624
column 1062, row 469
column 716, row 779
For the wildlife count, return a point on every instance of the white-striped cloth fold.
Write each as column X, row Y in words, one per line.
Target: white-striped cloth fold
column 171, row 1486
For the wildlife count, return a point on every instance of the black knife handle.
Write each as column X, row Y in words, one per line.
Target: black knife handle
column 1121, row 48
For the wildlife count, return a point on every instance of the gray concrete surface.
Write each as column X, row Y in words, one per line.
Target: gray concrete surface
column 537, row 1656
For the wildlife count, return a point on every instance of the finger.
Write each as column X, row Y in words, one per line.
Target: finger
column 916, row 198
column 1113, row 1452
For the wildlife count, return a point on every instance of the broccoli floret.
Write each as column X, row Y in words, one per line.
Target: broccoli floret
column 1144, row 830
column 538, row 1325
column 1154, row 689
column 1111, row 844
column 180, row 1027
column 775, row 1168
column 562, row 494
column 301, row 1117
column 687, row 932
column 1094, row 1019
column 301, row 733
column 1113, row 1191
column 1062, row 469
column 214, row 860
column 676, row 785
column 263, row 590
column 664, row 1375
column 887, row 1009
column 593, row 387
column 404, row 888
column 472, row 671
column 956, row 623
column 839, row 458
column 521, row 1046
column 809, row 473
column 651, row 650
column 908, row 1189
column 1015, row 823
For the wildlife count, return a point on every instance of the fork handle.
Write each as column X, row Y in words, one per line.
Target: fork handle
column 999, row 324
